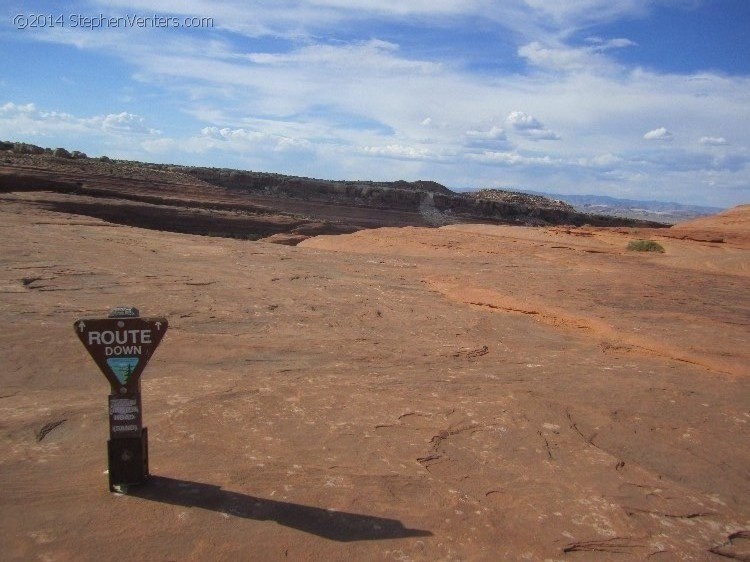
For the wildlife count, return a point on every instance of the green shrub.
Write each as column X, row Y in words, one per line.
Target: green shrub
column 645, row 246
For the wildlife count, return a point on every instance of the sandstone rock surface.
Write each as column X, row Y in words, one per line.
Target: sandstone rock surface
column 471, row 392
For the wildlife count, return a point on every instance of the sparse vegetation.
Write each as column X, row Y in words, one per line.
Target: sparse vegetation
column 645, row 246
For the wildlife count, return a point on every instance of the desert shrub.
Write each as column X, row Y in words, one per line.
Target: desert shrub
column 645, row 246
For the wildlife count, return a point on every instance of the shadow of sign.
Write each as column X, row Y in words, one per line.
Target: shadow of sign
column 334, row 525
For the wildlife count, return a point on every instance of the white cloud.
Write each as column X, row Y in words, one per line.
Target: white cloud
column 123, row 122
column 532, row 19
column 399, row 7
column 659, row 134
column 158, row 146
column 529, row 126
column 32, row 121
column 400, row 151
column 560, row 58
column 303, row 18
column 327, row 98
column 117, row 134
column 577, row 14
column 606, row 44
column 511, row 158
column 348, row 58
column 494, row 133
column 607, row 161
column 241, row 139
column 227, row 134
column 522, row 121
column 564, row 58
column 10, row 108
column 713, row 141
column 489, row 138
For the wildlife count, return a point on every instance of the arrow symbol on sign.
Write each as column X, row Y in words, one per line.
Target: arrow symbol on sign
column 158, row 325
column 81, row 326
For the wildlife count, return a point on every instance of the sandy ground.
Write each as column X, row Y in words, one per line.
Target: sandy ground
column 462, row 393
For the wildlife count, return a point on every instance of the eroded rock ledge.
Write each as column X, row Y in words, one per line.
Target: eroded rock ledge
column 257, row 205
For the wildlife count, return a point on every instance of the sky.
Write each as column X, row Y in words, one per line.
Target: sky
column 639, row 99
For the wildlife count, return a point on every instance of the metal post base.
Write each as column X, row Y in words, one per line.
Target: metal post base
column 128, row 461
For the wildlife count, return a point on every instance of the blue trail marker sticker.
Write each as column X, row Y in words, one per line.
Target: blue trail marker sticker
column 123, row 367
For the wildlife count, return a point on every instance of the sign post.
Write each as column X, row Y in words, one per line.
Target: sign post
column 121, row 345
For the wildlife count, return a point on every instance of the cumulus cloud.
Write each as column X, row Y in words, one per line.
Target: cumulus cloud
column 713, row 141
column 494, row 133
column 403, row 152
column 10, row 108
column 492, row 138
column 228, row 134
column 123, row 122
column 26, row 119
column 529, row 126
column 511, row 158
column 265, row 97
column 239, row 139
column 659, row 134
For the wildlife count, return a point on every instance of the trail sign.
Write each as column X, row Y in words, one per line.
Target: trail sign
column 121, row 347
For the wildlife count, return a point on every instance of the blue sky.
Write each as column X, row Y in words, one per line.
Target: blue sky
column 645, row 99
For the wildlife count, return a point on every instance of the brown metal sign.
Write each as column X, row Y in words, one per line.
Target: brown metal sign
column 121, row 347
